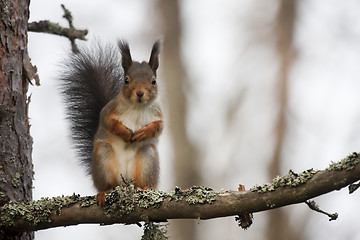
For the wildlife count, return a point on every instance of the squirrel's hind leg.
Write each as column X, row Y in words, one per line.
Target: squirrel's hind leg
column 146, row 168
column 104, row 169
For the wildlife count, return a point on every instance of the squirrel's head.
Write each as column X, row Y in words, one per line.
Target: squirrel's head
column 140, row 84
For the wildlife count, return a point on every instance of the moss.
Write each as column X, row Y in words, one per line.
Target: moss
column 348, row 163
column 292, row 179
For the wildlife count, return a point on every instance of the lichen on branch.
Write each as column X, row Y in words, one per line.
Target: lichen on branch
column 46, row 26
column 128, row 205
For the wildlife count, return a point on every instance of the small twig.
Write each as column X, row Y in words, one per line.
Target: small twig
column 353, row 187
column 124, row 180
column 313, row 206
column 67, row 15
column 71, row 33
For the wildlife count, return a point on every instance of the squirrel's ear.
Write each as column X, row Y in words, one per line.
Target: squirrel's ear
column 126, row 60
column 154, row 57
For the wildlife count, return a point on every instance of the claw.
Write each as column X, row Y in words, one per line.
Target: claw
column 100, row 198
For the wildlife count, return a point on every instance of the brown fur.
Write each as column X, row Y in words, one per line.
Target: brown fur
column 114, row 142
column 138, row 171
column 116, row 127
column 154, row 129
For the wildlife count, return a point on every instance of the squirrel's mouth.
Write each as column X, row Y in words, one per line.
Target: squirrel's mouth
column 140, row 100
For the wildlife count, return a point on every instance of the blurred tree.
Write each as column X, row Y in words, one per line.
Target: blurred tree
column 185, row 162
column 278, row 226
column 16, row 169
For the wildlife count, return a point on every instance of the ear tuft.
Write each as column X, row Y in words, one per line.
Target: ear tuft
column 126, row 60
column 154, row 57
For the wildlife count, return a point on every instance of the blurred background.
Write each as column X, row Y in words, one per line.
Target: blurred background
column 250, row 89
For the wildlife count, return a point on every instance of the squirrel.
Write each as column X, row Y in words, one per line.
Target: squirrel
column 115, row 115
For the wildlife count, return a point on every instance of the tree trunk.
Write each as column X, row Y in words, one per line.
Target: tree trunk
column 16, row 169
column 186, row 162
column 278, row 224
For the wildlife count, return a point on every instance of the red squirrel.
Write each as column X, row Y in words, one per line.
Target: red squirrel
column 115, row 115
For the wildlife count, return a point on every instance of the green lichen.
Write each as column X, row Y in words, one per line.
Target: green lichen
column 348, row 163
column 194, row 195
column 12, row 158
column 120, row 201
column 15, row 181
column 87, row 201
column 5, row 5
column 35, row 212
column 292, row 179
column 156, row 231
column 176, row 194
column 200, row 195
column 149, row 198
column 124, row 199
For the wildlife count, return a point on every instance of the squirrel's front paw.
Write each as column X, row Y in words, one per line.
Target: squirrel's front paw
column 140, row 135
column 127, row 136
column 152, row 130
column 143, row 134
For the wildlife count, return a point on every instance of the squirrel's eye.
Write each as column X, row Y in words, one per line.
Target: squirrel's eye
column 153, row 82
column 126, row 80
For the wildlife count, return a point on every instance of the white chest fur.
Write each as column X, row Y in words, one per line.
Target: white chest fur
column 134, row 119
column 138, row 117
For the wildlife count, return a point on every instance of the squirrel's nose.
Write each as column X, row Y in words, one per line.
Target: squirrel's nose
column 140, row 94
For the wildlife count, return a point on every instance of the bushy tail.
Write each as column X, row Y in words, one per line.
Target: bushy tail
column 91, row 78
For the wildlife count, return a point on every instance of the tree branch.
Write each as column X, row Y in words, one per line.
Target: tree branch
column 128, row 206
column 313, row 206
column 71, row 33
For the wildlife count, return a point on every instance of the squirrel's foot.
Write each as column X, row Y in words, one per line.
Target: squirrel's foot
column 100, row 198
column 143, row 188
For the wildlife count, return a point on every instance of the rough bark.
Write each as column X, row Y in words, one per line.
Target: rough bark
column 125, row 205
column 16, row 170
